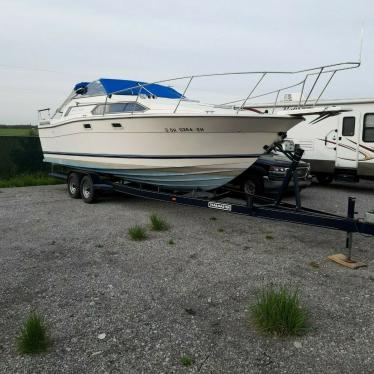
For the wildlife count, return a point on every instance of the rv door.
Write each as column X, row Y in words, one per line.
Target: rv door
column 346, row 144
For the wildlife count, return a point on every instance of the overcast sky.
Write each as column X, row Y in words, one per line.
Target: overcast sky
column 46, row 47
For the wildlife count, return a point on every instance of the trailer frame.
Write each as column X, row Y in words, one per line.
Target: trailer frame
column 250, row 205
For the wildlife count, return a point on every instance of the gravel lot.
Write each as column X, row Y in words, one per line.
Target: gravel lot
column 74, row 264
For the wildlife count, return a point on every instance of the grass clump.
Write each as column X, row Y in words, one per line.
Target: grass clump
column 186, row 360
column 269, row 237
column 29, row 180
column 220, row 230
column 33, row 337
column 137, row 233
column 278, row 312
column 171, row 242
column 314, row 264
column 157, row 223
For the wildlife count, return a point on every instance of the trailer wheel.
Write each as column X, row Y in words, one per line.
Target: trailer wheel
column 87, row 189
column 324, row 178
column 74, row 185
column 253, row 185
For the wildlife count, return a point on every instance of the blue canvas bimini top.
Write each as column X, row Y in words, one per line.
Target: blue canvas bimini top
column 125, row 87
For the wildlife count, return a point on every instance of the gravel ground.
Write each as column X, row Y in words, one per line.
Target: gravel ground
column 155, row 302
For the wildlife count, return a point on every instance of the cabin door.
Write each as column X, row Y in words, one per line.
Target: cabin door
column 346, row 143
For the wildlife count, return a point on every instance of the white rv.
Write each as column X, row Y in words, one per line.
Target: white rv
column 336, row 146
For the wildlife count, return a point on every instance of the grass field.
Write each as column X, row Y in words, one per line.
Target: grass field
column 28, row 180
column 18, row 132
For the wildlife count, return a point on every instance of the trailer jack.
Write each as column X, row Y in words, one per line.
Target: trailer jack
column 340, row 258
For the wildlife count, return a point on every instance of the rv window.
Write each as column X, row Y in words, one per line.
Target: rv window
column 348, row 126
column 368, row 133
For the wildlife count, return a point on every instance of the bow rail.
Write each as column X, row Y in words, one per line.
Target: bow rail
column 309, row 73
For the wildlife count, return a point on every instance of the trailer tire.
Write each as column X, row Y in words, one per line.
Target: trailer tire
column 87, row 189
column 253, row 185
column 74, row 182
column 324, row 179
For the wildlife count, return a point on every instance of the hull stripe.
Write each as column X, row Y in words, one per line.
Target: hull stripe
column 153, row 156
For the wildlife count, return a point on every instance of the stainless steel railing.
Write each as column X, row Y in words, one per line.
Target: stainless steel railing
column 310, row 72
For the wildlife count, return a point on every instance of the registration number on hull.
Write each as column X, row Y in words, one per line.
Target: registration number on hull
column 184, row 129
column 221, row 206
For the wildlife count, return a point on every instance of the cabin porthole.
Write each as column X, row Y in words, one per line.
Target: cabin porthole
column 117, row 125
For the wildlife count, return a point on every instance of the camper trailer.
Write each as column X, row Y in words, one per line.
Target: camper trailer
column 337, row 146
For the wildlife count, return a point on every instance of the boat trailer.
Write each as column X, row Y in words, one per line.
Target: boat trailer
column 247, row 205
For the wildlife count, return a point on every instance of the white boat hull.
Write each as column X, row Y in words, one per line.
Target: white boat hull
column 182, row 152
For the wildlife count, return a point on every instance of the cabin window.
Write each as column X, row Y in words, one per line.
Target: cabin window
column 348, row 126
column 118, row 108
column 87, row 126
column 78, row 110
column 368, row 133
column 116, row 125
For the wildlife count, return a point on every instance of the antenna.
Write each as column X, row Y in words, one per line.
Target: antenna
column 361, row 42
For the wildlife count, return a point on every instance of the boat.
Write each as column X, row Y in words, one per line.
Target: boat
column 150, row 133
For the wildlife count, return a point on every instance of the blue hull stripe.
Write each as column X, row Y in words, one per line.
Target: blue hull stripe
column 152, row 156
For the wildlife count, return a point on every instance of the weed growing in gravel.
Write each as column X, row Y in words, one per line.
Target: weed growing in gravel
column 157, row 223
column 220, row 230
column 213, row 218
column 186, row 360
column 269, row 237
column 137, row 233
column 33, row 337
column 171, row 242
column 278, row 312
column 314, row 264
